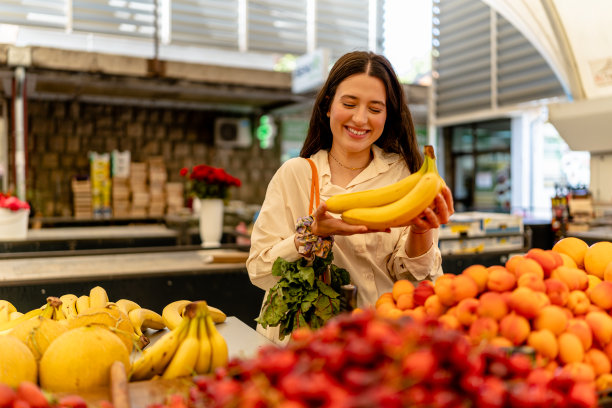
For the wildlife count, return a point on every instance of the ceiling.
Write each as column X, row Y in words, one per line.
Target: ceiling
column 575, row 37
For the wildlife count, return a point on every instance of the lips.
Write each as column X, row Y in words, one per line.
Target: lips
column 356, row 132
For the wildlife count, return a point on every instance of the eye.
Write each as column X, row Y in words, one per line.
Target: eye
column 375, row 110
column 348, row 105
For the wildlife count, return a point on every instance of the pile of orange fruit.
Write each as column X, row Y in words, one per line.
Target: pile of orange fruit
column 557, row 301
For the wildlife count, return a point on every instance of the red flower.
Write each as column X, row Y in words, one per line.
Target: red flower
column 184, row 171
column 209, row 182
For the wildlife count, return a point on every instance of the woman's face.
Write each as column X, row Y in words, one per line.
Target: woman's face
column 357, row 113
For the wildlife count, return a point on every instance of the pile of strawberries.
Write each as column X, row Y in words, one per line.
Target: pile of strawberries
column 29, row 395
column 364, row 360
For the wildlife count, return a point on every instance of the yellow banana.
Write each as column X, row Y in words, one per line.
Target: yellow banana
column 69, row 305
column 184, row 360
column 156, row 357
column 5, row 314
column 205, row 353
column 378, row 196
column 82, row 304
column 127, row 305
column 173, row 313
column 98, row 297
column 400, row 212
column 6, row 309
column 143, row 319
column 219, row 352
column 45, row 310
column 15, row 315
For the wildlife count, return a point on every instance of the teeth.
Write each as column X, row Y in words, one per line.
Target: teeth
column 357, row 132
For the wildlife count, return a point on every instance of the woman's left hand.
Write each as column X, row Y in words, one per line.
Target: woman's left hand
column 437, row 214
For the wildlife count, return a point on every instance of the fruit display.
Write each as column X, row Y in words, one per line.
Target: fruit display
column 365, row 360
column 193, row 346
column 70, row 343
column 393, row 205
column 556, row 302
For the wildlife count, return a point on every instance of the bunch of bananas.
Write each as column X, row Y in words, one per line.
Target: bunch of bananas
column 172, row 315
column 194, row 346
column 393, row 205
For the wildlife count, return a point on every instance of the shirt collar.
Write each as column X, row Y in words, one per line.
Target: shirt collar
column 379, row 164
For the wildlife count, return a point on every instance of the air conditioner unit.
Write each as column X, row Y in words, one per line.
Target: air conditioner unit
column 233, row 132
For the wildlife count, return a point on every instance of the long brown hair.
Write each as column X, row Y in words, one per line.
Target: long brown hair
column 398, row 135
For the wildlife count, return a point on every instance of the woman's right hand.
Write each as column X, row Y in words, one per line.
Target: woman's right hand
column 325, row 225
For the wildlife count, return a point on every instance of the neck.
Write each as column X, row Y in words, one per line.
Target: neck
column 353, row 164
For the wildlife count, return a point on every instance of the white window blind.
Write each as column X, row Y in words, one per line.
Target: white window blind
column 40, row 13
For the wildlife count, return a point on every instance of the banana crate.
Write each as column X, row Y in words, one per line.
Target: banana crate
column 479, row 224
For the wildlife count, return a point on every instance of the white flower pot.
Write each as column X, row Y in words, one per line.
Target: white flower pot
column 13, row 224
column 211, row 222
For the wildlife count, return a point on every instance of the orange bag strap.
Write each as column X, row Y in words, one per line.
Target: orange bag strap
column 314, row 187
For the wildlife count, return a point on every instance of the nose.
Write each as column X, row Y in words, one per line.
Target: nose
column 360, row 117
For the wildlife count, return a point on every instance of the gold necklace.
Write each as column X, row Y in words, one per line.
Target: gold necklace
column 346, row 167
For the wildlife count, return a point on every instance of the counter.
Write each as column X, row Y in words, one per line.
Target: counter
column 101, row 267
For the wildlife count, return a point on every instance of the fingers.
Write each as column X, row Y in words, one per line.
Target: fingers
column 448, row 198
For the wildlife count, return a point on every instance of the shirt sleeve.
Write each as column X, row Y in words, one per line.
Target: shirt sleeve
column 426, row 266
column 274, row 230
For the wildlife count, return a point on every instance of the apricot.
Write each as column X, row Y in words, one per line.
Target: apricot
column 570, row 348
column 578, row 302
column 551, row 317
column 480, row 275
column 532, row 281
column 582, row 330
column 515, row 328
column 524, row 302
column 464, row 287
column 548, row 260
column 574, row 247
column 499, row 341
column 483, row 328
column 557, row 291
column 597, row 257
column 601, row 295
column 449, row 321
column 386, row 297
column 575, row 279
column 544, row 342
column 466, row 311
column 512, row 262
column 598, row 360
column 594, row 280
column 405, row 301
column 607, row 276
column 400, row 287
column 601, row 326
column 579, row 371
column 527, row 265
column 433, row 306
column 492, row 304
column 443, row 288
column 568, row 260
column 500, row 279
column 603, row 382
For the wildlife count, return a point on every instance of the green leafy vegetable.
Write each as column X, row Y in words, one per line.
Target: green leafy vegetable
column 301, row 298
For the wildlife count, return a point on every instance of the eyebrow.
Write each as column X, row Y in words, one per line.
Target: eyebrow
column 354, row 97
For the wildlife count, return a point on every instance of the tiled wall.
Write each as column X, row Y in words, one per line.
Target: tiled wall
column 60, row 135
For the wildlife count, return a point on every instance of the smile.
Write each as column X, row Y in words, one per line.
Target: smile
column 356, row 132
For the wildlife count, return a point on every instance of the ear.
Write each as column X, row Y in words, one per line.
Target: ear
column 328, row 114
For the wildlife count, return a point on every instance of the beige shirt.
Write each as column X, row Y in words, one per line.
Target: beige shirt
column 374, row 260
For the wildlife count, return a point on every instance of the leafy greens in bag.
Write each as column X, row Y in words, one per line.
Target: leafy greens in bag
column 301, row 297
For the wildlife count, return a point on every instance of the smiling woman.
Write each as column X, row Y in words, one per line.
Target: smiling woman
column 360, row 137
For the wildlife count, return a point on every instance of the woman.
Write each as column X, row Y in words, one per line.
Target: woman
column 360, row 137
